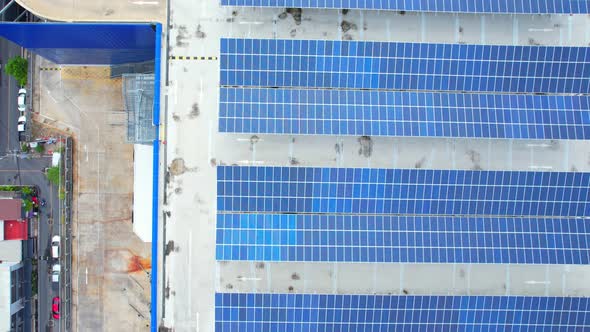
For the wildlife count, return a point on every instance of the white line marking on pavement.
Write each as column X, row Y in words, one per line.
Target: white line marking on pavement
column 146, row 3
column 240, row 278
column 536, row 282
column 86, row 276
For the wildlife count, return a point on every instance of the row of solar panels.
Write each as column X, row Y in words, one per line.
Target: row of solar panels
column 453, row 6
column 319, row 312
column 402, row 215
column 402, row 191
column 404, row 89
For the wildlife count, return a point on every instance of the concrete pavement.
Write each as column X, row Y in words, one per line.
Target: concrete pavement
column 98, row 11
column 110, row 290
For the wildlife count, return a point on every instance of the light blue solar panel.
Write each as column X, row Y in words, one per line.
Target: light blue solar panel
column 456, row 6
column 363, row 313
column 404, row 66
column 401, row 113
column 401, row 191
column 408, row 239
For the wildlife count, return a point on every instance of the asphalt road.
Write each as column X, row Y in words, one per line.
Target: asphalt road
column 18, row 171
column 8, row 95
column 8, row 85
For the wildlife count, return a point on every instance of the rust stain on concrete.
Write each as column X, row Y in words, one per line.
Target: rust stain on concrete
column 138, row 263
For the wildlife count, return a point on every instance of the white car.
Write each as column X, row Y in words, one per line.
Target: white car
column 55, row 273
column 55, row 246
column 22, row 121
column 22, row 100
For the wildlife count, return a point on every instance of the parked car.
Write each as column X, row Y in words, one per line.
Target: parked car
column 22, row 121
column 55, row 246
column 55, row 272
column 55, row 307
column 22, row 100
column 22, row 127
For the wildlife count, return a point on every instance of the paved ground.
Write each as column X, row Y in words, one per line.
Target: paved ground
column 110, row 287
column 100, row 10
column 193, row 148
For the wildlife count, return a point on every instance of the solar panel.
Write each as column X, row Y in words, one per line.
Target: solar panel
column 464, row 6
column 402, row 113
column 404, row 66
column 412, row 239
column 319, row 312
column 401, row 191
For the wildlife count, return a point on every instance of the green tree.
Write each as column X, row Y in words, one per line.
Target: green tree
column 27, row 204
column 18, row 67
column 27, row 191
column 40, row 148
column 53, row 175
column 8, row 188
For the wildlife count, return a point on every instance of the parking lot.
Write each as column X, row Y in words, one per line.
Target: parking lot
column 110, row 285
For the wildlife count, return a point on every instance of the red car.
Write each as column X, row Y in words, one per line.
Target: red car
column 55, row 307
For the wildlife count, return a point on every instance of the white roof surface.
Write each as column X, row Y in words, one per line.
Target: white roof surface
column 142, row 191
column 5, row 295
column 55, row 158
column 11, row 251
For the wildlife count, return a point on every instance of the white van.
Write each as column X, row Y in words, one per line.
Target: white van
column 22, row 100
column 55, row 272
column 22, row 121
column 55, row 246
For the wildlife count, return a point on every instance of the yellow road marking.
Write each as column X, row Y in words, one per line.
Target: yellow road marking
column 184, row 57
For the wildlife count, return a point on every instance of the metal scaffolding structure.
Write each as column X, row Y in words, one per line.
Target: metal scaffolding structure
column 138, row 92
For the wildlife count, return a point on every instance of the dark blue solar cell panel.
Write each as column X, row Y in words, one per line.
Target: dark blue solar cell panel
column 370, row 238
column 397, row 113
column 323, row 312
column 401, row 191
column 404, row 66
column 465, row 6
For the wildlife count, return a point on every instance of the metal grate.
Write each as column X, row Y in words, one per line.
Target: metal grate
column 138, row 92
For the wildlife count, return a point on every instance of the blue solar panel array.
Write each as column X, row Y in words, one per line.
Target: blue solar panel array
column 359, row 313
column 401, row 191
column 404, row 66
column 397, row 113
column 413, row 239
column 454, row 6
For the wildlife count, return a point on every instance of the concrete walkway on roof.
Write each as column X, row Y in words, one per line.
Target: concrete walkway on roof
column 98, row 10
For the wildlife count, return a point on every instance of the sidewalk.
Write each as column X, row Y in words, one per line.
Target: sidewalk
column 98, row 10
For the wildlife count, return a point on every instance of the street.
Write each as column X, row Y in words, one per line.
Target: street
column 8, row 94
column 8, row 85
column 21, row 171
column 18, row 171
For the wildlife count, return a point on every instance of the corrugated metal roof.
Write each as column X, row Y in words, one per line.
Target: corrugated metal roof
column 15, row 230
column 11, row 209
